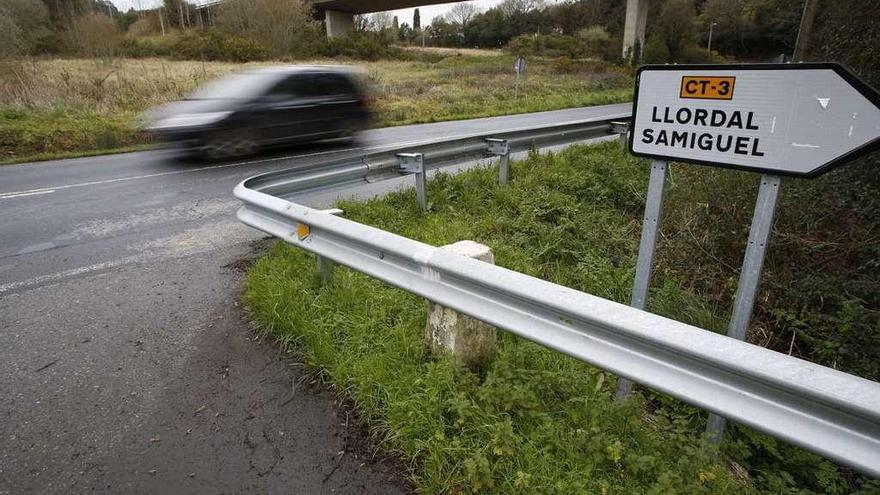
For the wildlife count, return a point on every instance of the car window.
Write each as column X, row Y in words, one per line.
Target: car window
column 313, row 85
column 336, row 85
column 290, row 87
column 235, row 87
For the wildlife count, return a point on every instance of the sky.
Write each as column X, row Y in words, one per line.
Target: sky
column 431, row 11
column 404, row 15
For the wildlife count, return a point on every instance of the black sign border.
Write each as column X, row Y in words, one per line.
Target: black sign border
column 855, row 81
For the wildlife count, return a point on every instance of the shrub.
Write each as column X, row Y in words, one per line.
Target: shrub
column 145, row 47
column 362, row 46
column 595, row 41
column 211, row 45
column 656, row 51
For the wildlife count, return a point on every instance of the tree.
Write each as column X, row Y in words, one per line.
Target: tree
column 31, row 19
column 379, row 21
column 93, row 35
column 417, row 21
column 10, row 35
column 462, row 13
column 732, row 19
column 489, row 29
column 284, row 27
column 515, row 8
column 677, row 28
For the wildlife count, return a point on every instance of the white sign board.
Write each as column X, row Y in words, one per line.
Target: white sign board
column 789, row 119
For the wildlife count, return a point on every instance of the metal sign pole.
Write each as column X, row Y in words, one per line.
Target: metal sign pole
column 647, row 245
column 750, row 278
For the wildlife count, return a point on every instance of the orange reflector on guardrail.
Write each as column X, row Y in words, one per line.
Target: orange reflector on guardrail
column 303, row 231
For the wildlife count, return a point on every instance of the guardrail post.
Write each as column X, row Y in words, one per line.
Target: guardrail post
column 750, row 276
column 647, row 246
column 414, row 163
column 500, row 147
column 326, row 265
column 621, row 127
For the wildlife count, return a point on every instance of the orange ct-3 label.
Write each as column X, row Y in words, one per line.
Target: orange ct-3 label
column 707, row 87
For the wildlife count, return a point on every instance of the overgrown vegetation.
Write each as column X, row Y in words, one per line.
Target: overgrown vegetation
column 534, row 421
column 69, row 106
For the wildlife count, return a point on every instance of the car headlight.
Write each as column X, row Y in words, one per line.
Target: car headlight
column 188, row 120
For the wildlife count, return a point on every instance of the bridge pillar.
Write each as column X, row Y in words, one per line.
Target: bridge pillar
column 634, row 28
column 338, row 23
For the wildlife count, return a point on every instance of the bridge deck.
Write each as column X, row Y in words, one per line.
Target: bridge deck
column 367, row 6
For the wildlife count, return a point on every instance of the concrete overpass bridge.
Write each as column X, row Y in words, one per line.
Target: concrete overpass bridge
column 339, row 15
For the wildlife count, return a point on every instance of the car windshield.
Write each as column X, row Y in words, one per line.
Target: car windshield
column 242, row 86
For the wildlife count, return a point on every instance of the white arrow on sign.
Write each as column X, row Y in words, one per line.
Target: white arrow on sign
column 760, row 117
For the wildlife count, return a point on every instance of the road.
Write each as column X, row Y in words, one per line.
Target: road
column 126, row 363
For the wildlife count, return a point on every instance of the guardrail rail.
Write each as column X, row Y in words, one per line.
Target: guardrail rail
column 820, row 409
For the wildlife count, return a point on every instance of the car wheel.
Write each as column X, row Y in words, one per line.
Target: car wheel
column 230, row 144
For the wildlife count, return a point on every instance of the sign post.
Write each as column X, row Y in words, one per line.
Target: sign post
column 798, row 120
column 647, row 245
column 519, row 67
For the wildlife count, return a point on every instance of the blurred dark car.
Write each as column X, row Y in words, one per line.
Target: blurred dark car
column 236, row 115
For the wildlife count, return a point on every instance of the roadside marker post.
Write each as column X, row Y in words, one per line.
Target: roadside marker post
column 414, row 163
column 500, row 148
column 799, row 120
column 520, row 68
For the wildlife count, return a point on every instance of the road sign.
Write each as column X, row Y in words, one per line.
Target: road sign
column 787, row 119
column 520, row 65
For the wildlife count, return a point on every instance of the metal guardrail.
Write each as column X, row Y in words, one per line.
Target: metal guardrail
column 818, row 408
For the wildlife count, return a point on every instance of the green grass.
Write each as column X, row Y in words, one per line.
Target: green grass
column 70, row 107
column 533, row 421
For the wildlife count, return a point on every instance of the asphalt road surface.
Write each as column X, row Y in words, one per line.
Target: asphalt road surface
column 126, row 362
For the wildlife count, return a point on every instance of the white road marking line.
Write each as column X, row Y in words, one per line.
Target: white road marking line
column 801, row 145
column 56, row 277
column 30, row 193
column 47, row 190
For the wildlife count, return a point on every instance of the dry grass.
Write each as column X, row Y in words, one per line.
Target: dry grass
column 53, row 107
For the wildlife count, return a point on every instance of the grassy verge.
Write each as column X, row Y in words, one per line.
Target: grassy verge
column 533, row 421
column 62, row 106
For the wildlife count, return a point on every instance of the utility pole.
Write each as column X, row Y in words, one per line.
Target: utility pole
column 802, row 44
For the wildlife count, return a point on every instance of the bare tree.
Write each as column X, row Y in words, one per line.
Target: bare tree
column 284, row 27
column 94, row 35
column 379, row 21
column 462, row 13
column 514, row 8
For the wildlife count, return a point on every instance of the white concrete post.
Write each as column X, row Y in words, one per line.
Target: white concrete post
column 470, row 342
column 634, row 28
column 338, row 23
